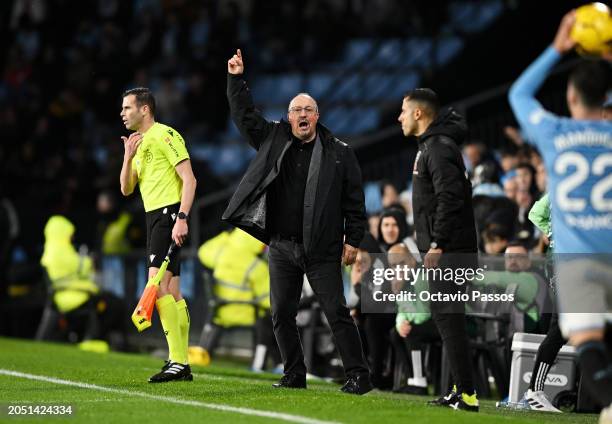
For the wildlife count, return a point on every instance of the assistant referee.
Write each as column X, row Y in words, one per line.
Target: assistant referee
column 156, row 159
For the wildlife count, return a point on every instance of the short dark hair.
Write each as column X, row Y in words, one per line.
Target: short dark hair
column 517, row 243
column 495, row 232
column 426, row 96
column 144, row 96
column 527, row 166
column 591, row 79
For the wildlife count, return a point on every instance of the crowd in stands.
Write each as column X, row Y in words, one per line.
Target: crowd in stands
column 65, row 65
column 59, row 116
column 505, row 185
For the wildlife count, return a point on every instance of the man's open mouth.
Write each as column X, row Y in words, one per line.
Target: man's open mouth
column 303, row 125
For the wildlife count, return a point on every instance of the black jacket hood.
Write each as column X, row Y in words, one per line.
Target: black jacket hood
column 449, row 123
column 400, row 218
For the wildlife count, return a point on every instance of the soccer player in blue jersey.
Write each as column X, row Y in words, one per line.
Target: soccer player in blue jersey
column 577, row 152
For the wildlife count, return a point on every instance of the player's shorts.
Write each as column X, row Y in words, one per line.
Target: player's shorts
column 159, row 236
column 584, row 292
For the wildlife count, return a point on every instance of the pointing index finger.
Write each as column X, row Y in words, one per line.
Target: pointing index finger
column 239, row 53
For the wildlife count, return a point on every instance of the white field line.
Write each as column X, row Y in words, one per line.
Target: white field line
column 215, row 406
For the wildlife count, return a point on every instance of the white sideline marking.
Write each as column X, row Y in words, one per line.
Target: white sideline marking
column 218, row 407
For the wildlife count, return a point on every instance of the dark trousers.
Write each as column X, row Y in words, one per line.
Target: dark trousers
column 288, row 265
column 450, row 320
column 376, row 329
column 547, row 352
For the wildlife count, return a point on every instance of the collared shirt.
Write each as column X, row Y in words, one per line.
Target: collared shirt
column 286, row 193
column 162, row 148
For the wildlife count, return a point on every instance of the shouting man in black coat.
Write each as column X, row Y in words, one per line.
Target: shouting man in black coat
column 444, row 224
column 302, row 194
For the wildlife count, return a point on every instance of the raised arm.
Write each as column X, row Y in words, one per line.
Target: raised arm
column 250, row 122
column 129, row 177
column 530, row 114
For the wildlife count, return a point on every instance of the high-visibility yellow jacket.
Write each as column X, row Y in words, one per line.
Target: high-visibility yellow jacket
column 70, row 273
column 114, row 240
column 240, row 276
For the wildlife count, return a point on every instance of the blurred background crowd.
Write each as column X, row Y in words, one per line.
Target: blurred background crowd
column 65, row 64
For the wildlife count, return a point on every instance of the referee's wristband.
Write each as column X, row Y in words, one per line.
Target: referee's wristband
column 182, row 215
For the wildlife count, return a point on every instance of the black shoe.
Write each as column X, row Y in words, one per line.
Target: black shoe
column 450, row 398
column 291, row 381
column 357, row 385
column 173, row 371
column 412, row 390
column 466, row 403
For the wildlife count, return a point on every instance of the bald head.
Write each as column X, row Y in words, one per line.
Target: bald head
column 300, row 98
column 398, row 254
column 399, row 248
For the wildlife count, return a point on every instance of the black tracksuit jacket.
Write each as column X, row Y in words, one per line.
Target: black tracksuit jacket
column 441, row 189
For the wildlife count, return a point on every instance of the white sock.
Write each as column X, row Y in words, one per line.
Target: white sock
column 417, row 370
column 259, row 357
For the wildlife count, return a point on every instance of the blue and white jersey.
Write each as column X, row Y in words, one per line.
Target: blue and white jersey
column 578, row 159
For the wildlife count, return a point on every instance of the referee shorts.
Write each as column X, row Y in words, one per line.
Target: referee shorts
column 159, row 236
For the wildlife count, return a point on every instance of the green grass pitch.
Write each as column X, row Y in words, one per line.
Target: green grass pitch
column 113, row 388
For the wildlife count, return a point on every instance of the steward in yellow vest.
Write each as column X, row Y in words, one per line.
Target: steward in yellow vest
column 240, row 276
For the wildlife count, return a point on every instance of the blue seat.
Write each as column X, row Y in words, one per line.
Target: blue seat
column 474, row 17
column 345, row 120
column 335, row 118
column 288, row 85
column 377, row 86
column 347, row 89
column 357, row 50
column 262, row 87
column 274, row 89
column 406, row 82
column 364, row 119
column 318, row 84
column 447, row 48
column 417, row 52
column 389, row 53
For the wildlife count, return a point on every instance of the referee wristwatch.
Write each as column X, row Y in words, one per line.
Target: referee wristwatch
column 182, row 215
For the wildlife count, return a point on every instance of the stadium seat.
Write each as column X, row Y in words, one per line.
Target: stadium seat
column 417, row 52
column 447, row 48
column 277, row 89
column 377, row 86
column 471, row 17
column 389, row 54
column 405, row 82
column 347, row 89
column 77, row 325
column 495, row 322
column 318, row 84
column 212, row 332
column 356, row 51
